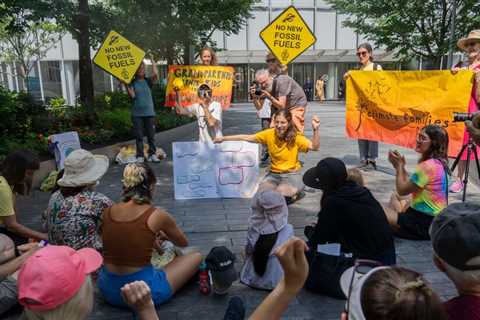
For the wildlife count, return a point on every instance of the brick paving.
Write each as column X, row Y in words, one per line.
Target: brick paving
column 214, row 222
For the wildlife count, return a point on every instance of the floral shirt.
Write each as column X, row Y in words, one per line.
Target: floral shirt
column 75, row 221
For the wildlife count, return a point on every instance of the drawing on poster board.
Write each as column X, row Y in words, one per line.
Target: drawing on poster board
column 229, row 169
column 64, row 143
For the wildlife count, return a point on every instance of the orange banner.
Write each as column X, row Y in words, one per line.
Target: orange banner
column 189, row 78
column 392, row 106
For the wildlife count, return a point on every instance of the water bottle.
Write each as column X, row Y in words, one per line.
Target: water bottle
column 204, row 279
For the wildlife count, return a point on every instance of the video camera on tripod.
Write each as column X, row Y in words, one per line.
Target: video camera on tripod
column 472, row 120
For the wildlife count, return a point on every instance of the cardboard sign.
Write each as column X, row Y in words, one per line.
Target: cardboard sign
column 188, row 78
column 119, row 57
column 392, row 106
column 64, row 143
column 288, row 35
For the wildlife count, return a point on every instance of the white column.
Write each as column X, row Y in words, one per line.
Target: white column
column 332, row 80
column 63, row 81
column 42, row 92
column 10, row 77
column 69, row 82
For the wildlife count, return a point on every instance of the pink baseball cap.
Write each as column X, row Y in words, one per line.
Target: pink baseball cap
column 53, row 275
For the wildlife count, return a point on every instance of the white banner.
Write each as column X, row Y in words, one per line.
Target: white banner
column 226, row 170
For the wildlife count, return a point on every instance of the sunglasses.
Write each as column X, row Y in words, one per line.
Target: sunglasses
column 422, row 138
column 271, row 60
column 470, row 44
column 362, row 53
column 361, row 267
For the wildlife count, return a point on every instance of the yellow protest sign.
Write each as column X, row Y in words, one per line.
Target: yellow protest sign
column 119, row 57
column 187, row 79
column 288, row 35
column 392, row 106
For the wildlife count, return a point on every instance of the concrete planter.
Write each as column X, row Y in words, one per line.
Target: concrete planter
column 161, row 139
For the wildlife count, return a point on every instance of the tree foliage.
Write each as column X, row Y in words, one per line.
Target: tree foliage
column 167, row 28
column 27, row 45
column 420, row 27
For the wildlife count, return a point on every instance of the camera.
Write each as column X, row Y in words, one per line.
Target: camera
column 462, row 116
column 204, row 91
column 258, row 88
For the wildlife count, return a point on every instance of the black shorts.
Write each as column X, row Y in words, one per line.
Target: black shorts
column 414, row 225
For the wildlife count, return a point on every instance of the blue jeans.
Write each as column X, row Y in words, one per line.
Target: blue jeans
column 368, row 149
column 110, row 284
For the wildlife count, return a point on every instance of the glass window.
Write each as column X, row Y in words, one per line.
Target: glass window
column 52, row 86
column 255, row 25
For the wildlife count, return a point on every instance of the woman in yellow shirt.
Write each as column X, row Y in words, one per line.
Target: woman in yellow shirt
column 283, row 144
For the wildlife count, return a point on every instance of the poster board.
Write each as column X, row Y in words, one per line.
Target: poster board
column 206, row 170
column 63, row 144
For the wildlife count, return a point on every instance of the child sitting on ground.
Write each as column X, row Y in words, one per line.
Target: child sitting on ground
column 268, row 229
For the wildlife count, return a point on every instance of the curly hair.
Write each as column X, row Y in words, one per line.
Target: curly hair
column 138, row 179
column 291, row 134
column 439, row 144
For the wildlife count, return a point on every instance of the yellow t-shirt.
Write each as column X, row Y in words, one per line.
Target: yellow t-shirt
column 369, row 67
column 6, row 199
column 283, row 158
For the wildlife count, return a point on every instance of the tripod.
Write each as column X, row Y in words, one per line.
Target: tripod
column 470, row 146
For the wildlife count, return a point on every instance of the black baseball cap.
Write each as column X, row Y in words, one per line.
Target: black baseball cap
column 328, row 174
column 220, row 261
column 455, row 234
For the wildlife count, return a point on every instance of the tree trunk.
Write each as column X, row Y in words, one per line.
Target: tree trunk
column 85, row 61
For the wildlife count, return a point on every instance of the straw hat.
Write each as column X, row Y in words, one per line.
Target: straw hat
column 474, row 35
column 82, row 168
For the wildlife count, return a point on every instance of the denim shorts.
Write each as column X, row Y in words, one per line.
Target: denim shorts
column 110, row 284
column 294, row 179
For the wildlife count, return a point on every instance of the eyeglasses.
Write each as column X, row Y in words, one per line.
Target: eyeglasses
column 361, row 267
column 470, row 44
column 271, row 60
column 362, row 53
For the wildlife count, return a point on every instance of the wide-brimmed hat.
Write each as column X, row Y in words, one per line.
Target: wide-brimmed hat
column 269, row 212
column 474, row 36
column 82, row 168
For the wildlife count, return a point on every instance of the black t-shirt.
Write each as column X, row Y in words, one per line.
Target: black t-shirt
column 352, row 217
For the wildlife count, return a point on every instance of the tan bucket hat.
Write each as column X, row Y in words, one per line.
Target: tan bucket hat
column 82, row 168
column 474, row 36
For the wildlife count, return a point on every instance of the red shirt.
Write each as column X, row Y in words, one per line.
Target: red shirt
column 465, row 307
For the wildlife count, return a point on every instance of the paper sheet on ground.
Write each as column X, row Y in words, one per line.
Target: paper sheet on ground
column 226, row 170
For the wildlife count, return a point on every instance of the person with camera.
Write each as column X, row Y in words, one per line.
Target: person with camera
column 471, row 46
column 285, row 94
column 207, row 112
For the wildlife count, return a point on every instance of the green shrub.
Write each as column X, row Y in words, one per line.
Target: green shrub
column 113, row 100
column 119, row 121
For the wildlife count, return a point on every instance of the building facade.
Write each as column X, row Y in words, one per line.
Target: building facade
column 57, row 75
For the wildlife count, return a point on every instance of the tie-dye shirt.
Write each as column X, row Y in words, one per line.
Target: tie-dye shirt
column 430, row 176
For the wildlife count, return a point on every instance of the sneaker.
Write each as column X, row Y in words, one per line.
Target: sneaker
column 235, row 309
column 373, row 164
column 140, row 159
column 153, row 158
column 456, row 187
column 295, row 198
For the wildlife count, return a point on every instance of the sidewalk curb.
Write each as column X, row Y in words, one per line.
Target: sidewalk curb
column 161, row 138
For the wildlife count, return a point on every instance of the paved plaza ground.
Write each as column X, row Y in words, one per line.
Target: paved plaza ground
column 214, row 222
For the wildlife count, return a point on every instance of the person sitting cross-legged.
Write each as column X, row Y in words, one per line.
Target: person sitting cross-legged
column 284, row 144
column 129, row 233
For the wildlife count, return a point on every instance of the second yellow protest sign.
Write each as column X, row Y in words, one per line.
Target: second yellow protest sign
column 288, row 35
column 119, row 57
column 392, row 106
